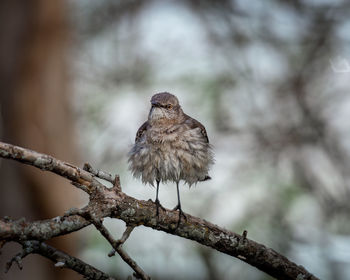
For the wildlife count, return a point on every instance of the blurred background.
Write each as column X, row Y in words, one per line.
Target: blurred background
column 268, row 79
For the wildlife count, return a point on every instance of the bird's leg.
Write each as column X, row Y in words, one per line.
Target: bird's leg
column 157, row 201
column 178, row 206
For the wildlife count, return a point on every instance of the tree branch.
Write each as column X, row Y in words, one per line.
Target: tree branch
column 99, row 173
column 116, row 244
column 60, row 259
column 40, row 230
column 112, row 202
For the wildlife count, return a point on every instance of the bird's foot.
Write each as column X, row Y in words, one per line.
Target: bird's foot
column 158, row 205
column 181, row 213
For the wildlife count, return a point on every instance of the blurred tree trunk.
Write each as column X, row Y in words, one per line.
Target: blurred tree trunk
column 35, row 113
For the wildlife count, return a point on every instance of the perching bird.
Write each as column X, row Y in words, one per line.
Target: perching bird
column 170, row 146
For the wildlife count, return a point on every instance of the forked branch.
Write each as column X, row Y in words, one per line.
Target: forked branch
column 113, row 203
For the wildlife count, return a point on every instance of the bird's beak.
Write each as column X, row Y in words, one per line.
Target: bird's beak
column 155, row 113
column 154, row 104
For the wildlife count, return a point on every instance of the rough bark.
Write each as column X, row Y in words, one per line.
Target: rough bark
column 112, row 202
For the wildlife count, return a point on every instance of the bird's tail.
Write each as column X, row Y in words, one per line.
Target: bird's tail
column 206, row 178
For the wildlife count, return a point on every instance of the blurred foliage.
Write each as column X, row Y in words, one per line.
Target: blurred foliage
column 270, row 81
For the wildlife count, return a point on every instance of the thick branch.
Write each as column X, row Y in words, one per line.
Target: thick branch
column 46, row 162
column 112, row 203
column 40, row 230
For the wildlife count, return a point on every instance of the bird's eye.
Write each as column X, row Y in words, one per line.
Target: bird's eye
column 169, row 106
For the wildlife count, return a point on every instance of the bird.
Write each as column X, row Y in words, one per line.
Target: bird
column 170, row 146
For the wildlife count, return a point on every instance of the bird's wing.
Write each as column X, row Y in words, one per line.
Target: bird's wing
column 193, row 123
column 141, row 131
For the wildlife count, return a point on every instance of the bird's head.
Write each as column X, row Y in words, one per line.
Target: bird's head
column 165, row 108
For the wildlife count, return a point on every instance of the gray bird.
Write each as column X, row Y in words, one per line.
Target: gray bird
column 170, row 146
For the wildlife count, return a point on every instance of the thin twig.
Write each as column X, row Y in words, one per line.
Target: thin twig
column 116, row 186
column 122, row 240
column 104, row 175
column 18, row 259
column 244, row 235
column 98, row 173
column 139, row 273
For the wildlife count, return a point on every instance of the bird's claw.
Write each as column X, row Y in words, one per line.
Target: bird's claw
column 181, row 213
column 158, row 205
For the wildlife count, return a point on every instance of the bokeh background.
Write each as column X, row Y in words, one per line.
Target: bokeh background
column 268, row 79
